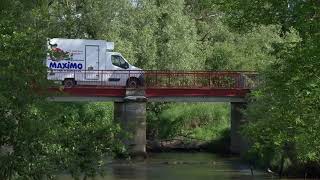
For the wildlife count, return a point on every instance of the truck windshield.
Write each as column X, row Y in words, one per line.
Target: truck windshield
column 119, row 61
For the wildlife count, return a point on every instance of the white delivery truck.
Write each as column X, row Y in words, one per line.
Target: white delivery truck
column 89, row 62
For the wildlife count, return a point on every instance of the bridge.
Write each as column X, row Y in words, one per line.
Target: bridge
column 130, row 90
column 164, row 86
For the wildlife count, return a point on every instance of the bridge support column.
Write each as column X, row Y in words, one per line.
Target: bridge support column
column 238, row 144
column 132, row 117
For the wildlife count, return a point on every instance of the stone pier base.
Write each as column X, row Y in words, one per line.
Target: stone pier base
column 238, row 144
column 131, row 114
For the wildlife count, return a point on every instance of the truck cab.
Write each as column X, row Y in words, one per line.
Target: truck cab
column 90, row 62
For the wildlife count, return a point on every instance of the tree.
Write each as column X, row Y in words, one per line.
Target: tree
column 284, row 113
column 39, row 138
column 224, row 47
column 176, row 37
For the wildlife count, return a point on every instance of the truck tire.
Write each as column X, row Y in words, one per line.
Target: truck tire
column 69, row 83
column 133, row 83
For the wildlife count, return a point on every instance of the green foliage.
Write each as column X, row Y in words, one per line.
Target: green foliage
column 200, row 121
column 39, row 139
column 51, row 138
column 82, row 137
column 284, row 114
column 289, row 99
column 176, row 37
column 281, row 40
column 21, row 73
column 225, row 48
column 303, row 15
column 22, row 50
column 249, row 51
column 153, row 117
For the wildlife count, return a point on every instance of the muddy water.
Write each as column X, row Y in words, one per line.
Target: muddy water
column 176, row 166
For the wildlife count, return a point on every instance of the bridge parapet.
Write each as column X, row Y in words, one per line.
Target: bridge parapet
column 160, row 85
column 156, row 79
column 201, row 79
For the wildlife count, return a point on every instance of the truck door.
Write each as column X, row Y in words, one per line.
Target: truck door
column 92, row 62
column 120, row 74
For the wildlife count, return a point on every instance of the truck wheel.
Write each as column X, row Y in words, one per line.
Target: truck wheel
column 69, row 83
column 133, row 83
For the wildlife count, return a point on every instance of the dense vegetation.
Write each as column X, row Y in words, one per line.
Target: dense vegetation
column 200, row 121
column 280, row 39
column 284, row 116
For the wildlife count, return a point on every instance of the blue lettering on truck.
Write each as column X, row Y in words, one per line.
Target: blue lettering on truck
column 68, row 65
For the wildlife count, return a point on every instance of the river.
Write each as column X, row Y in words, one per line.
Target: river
column 184, row 166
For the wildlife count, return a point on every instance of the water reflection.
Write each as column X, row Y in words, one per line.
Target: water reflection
column 186, row 166
column 128, row 171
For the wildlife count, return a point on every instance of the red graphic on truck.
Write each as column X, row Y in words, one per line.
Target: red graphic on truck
column 57, row 54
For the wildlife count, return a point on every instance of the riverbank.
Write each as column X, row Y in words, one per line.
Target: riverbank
column 220, row 145
column 188, row 145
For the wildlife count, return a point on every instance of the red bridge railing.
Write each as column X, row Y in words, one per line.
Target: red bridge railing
column 111, row 83
column 156, row 79
column 200, row 79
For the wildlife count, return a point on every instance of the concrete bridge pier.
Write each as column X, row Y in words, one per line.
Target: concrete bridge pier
column 238, row 144
column 131, row 114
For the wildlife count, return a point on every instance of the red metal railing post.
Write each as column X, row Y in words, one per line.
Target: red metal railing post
column 169, row 78
column 129, row 75
column 210, row 79
column 156, row 83
column 101, row 77
column 194, row 79
column 239, row 80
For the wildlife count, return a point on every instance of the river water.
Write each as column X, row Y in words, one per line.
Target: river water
column 184, row 166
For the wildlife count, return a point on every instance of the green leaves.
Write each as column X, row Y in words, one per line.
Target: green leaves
column 286, row 106
column 201, row 121
column 37, row 138
column 281, row 40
